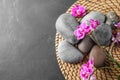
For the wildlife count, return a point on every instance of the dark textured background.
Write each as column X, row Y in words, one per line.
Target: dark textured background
column 27, row 34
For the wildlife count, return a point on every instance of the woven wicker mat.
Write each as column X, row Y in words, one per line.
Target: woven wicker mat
column 72, row 71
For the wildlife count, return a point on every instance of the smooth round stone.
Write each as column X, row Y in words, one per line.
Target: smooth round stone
column 85, row 45
column 65, row 25
column 98, row 55
column 103, row 34
column 94, row 15
column 112, row 18
column 68, row 53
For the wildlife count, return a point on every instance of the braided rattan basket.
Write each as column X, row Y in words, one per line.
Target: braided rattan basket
column 72, row 71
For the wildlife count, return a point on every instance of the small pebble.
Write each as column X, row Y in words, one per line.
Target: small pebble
column 112, row 19
column 103, row 34
column 98, row 55
column 94, row 15
column 68, row 53
column 85, row 45
column 65, row 25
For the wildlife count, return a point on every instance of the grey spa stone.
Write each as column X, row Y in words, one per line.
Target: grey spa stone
column 94, row 15
column 68, row 53
column 112, row 18
column 85, row 45
column 65, row 25
column 103, row 34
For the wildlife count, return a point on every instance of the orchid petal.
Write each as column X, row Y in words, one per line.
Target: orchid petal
column 87, row 70
column 117, row 25
column 78, row 10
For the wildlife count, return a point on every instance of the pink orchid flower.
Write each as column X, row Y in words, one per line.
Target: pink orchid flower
column 87, row 70
column 93, row 23
column 81, row 31
column 117, row 25
column 78, row 11
column 79, row 34
column 84, row 29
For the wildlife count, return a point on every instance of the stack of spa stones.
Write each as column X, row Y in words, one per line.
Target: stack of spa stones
column 72, row 50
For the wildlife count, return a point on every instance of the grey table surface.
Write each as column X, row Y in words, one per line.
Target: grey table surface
column 27, row 36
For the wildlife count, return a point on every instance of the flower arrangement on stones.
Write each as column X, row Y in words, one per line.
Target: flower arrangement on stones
column 87, row 38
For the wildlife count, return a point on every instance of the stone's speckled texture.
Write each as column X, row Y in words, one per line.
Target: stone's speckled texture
column 68, row 53
column 112, row 18
column 103, row 34
column 94, row 15
column 65, row 25
column 98, row 55
column 85, row 45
